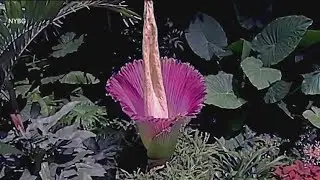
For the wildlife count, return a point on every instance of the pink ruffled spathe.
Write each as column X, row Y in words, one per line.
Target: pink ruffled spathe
column 185, row 92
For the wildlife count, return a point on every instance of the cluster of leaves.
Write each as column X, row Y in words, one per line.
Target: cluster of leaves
column 192, row 160
column 87, row 114
column 259, row 62
column 54, row 151
column 248, row 156
column 245, row 156
column 22, row 21
column 58, row 144
column 298, row 170
column 59, row 141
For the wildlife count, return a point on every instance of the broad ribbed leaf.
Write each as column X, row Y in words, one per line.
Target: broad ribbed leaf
column 206, row 37
column 278, row 39
column 310, row 37
column 283, row 106
column 92, row 169
column 259, row 76
column 27, row 176
column 236, row 47
column 277, row 91
column 220, row 91
column 242, row 47
column 246, row 49
column 6, row 149
column 311, row 83
column 255, row 19
column 51, row 79
column 313, row 116
column 44, row 124
column 22, row 88
column 68, row 44
column 79, row 77
column 45, row 171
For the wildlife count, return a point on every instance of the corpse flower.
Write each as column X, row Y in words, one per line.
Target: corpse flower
column 159, row 94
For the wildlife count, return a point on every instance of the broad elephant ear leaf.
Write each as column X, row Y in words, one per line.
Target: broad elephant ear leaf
column 311, row 83
column 277, row 91
column 6, row 149
column 68, row 44
column 260, row 77
column 45, row 124
column 45, row 171
column 242, row 47
column 283, row 106
column 313, row 116
column 206, row 37
column 310, row 37
column 278, row 39
column 220, row 91
column 79, row 77
column 73, row 77
column 26, row 175
column 236, row 47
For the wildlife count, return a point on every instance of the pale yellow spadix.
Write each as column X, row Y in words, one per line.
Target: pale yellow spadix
column 155, row 101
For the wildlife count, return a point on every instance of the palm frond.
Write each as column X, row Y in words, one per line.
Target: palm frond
column 25, row 19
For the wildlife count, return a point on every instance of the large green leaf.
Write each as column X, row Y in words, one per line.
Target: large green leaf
column 246, row 49
column 280, row 38
column 310, row 37
column 73, row 77
column 68, row 44
column 79, row 77
column 260, row 77
column 277, row 91
column 313, row 116
column 26, row 175
column 45, row 171
column 46, row 123
column 220, row 91
column 311, row 83
column 6, row 149
column 22, row 88
column 236, row 47
column 206, row 37
column 51, row 79
column 242, row 47
column 283, row 106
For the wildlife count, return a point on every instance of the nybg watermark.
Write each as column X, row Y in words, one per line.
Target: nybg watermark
column 17, row 20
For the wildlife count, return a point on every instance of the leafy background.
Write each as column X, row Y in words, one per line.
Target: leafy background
column 75, row 131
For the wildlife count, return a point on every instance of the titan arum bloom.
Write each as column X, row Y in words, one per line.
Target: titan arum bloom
column 159, row 94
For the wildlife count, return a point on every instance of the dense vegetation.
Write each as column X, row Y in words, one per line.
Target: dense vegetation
column 261, row 117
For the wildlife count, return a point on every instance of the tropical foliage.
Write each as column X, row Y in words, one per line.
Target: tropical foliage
column 260, row 118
